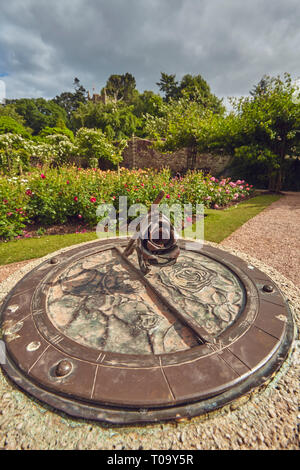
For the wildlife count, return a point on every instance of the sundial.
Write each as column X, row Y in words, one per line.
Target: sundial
column 97, row 333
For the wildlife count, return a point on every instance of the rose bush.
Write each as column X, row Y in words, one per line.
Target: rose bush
column 48, row 196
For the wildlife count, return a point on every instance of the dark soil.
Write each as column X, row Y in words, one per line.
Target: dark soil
column 36, row 230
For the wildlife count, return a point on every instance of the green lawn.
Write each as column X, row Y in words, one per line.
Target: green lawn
column 219, row 224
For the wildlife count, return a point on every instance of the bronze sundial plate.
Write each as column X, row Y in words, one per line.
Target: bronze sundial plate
column 89, row 335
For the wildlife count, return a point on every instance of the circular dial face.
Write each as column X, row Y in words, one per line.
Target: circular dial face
column 89, row 334
column 102, row 303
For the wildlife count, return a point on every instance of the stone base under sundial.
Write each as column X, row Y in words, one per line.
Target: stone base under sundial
column 88, row 334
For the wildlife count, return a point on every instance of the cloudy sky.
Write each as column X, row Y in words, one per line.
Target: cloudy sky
column 44, row 44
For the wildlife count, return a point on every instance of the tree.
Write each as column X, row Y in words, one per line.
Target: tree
column 270, row 126
column 116, row 120
column 262, row 87
column 195, row 88
column 10, row 110
column 8, row 125
column 179, row 127
column 169, row 86
column 147, row 102
column 39, row 113
column 263, row 127
column 70, row 101
column 120, row 87
column 192, row 87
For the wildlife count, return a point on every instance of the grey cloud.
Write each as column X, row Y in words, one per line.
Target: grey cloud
column 45, row 44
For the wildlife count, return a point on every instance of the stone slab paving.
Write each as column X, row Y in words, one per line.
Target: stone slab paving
column 264, row 419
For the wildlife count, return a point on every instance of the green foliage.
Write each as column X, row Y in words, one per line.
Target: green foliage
column 262, row 87
column 218, row 225
column 57, row 195
column 10, row 110
column 9, row 125
column 117, row 121
column 92, row 144
column 169, row 86
column 263, row 128
column 192, row 87
column 262, row 132
column 269, row 123
column 147, row 103
column 195, row 88
column 291, row 180
column 14, row 153
column 39, row 113
column 57, row 130
column 63, row 149
column 13, row 217
column 179, row 125
column 70, row 101
column 18, row 154
column 120, row 87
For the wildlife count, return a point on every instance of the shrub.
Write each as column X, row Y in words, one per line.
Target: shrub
column 57, row 130
column 13, row 216
column 14, row 153
column 63, row 149
column 92, row 144
column 57, row 195
column 8, row 125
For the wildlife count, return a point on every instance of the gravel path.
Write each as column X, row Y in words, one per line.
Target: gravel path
column 266, row 419
column 273, row 236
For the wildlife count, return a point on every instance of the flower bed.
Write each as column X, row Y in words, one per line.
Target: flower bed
column 57, row 196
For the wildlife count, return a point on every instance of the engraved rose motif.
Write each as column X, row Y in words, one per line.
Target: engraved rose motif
column 187, row 278
column 210, row 296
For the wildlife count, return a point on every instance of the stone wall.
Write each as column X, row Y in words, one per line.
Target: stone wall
column 141, row 154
